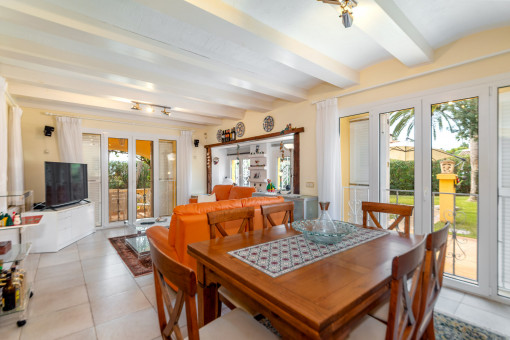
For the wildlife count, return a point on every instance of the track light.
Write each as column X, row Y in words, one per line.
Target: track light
column 150, row 107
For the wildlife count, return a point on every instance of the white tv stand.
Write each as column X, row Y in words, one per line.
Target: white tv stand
column 60, row 227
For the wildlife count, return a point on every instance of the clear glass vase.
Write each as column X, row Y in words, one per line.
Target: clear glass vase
column 326, row 222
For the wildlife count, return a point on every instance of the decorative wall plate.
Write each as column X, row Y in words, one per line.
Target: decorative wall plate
column 215, row 160
column 268, row 124
column 240, row 130
column 218, row 135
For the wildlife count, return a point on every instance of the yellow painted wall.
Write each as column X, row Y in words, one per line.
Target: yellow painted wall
column 458, row 62
column 38, row 148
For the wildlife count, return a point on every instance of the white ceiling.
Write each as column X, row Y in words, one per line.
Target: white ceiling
column 213, row 59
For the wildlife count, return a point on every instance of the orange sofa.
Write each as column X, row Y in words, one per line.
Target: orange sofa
column 229, row 192
column 189, row 225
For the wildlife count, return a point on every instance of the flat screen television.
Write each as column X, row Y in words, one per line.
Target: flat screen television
column 66, row 183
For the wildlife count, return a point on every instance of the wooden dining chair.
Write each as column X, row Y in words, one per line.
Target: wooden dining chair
column 235, row 325
column 270, row 209
column 405, row 300
column 432, row 281
column 404, row 212
column 215, row 218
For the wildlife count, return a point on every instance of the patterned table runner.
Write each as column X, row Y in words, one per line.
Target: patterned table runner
column 278, row 257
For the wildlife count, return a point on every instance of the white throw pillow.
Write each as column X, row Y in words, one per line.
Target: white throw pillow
column 206, row 198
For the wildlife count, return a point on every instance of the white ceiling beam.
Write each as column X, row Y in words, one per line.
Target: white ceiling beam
column 104, row 114
column 137, row 46
column 77, row 83
column 222, row 20
column 74, row 53
column 388, row 26
column 25, row 90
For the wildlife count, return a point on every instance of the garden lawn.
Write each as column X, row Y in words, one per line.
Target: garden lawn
column 466, row 213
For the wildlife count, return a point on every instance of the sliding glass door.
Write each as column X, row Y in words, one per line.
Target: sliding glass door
column 456, row 152
column 144, row 179
column 432, row 155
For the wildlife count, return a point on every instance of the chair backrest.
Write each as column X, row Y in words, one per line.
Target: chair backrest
column 268, row 210
column 165, row 268
column 404, row 212
column 405, row 298
column 432, row 276
column 215, row 218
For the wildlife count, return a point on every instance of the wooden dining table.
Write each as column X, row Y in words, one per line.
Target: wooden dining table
column 324, row 299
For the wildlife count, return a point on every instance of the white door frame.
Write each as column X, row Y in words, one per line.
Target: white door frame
column 483, row 245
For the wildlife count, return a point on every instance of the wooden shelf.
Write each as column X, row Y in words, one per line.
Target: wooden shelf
column 269, row 135
column 257, row 168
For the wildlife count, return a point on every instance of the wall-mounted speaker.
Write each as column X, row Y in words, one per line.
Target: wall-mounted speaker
column 196, row 141
column 48, row 130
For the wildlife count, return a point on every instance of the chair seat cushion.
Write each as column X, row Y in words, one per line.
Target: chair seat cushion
column 237, row 324
column 235, row 301
column 368, row 329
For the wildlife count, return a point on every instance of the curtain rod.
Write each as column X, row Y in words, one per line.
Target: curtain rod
column 391, row 82
column 113, row 121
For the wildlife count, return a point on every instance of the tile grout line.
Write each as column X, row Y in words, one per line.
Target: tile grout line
column 87, row 291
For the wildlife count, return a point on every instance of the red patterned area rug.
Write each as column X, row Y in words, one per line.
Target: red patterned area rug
column 138, row 267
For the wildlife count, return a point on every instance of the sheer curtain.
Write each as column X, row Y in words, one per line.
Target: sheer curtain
column 15, row 164
column 329, row 176
column 184, row 154
column 3, row 144
column 69, row 139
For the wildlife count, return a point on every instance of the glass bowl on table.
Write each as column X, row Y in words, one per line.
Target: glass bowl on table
column 324, row 231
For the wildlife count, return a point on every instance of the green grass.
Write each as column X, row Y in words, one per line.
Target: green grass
column 466, row 214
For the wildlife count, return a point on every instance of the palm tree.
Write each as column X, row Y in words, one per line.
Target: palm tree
column 460, row 117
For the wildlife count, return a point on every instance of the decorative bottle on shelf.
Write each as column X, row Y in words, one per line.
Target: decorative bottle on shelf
column 9, row 294
column 233, row 133
column 228, row 135
column 16, row 218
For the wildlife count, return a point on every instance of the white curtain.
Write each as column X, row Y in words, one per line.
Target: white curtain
column 184, row 154
column 69, row 139
column 329, row 175
column 3, row 145
column 15, row 166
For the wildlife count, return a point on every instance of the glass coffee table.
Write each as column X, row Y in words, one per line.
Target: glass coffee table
column 138, row 242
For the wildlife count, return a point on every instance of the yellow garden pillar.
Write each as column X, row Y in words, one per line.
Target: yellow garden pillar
column 446, row 201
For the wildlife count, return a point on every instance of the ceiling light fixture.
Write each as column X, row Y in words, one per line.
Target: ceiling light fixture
column 150, row 107
column 345, row 10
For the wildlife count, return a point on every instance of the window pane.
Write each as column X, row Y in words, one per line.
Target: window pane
column 118, row 179
column 167, row 176
column 144, row 171
column 397, row 161
column 454, row 172
column 92, row 157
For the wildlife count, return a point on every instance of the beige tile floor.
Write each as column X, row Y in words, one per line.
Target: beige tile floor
column 86, row 292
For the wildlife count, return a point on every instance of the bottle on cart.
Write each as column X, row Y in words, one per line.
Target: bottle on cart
column 9, row 295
